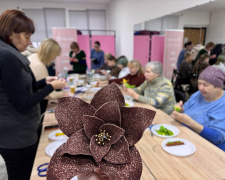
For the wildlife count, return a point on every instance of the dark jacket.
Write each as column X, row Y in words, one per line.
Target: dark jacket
column 19, row 99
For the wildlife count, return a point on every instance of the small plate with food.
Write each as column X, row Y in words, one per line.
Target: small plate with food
column 178, row 147
column 57, row 135
column 129, row 102
column 165, row 130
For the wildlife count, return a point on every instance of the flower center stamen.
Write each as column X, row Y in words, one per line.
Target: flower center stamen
column 101, row 137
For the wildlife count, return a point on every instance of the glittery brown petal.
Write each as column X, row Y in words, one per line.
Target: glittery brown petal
column 108, row 93
column 129, row 171
column 69, row 113
column 119, row 152
column 134, row 121
column 67, row 166
column 98, row 151
column 91, row 125
column 78, row 143
column 109, row 113
column 114, row 131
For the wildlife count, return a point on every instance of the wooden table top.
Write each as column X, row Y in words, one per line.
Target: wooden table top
column 208, row 162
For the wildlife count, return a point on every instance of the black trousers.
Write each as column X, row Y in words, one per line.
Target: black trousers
column 19, row 162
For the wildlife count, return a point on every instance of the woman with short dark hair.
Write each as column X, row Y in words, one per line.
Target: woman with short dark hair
column 20, row 95
column 97, row 56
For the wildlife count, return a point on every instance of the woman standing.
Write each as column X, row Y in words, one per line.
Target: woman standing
column 20, row 95
column 97, row 56
column 77, row 59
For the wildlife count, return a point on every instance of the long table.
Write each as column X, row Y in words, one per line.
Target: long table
column 208, row 162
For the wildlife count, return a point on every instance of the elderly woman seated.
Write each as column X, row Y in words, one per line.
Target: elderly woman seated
column 136, row 75
column 156, row 90
column 204, row 111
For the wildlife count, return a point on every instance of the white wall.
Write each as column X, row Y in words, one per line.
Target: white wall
column 163, row 23
column 194, row 18
column 123, row 14
column 68, row 6
column 215, row 31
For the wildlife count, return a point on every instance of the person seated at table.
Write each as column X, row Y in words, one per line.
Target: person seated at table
column 185, row 71
column 105, row 67
column 136, row 76
column 186, row 66
column 114, row 69
column 97, row 56
column 77, row 59
column 122, row 64
column 220, row 63
column 209, row 46
column 156, row 90
column 204, row 111
column 201, row 64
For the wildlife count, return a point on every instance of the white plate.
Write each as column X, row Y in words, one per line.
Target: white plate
column 180, row 150
column 128, row 97
column 88, row 98
column 129, row 102
column 95, row 89
column 53, row 136
column 172, row 128
column 81, row 89
column 74, row 178
column 51, row 148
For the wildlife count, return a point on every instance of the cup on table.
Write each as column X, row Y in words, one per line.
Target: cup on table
column 72, row 89
column 94, row 84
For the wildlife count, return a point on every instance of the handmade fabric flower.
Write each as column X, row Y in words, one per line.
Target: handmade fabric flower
column 101, row 134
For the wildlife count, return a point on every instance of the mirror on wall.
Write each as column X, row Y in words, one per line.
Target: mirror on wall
column 201, row 24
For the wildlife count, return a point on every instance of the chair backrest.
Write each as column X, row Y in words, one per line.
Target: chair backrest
column 180, row 96
column 174, row 76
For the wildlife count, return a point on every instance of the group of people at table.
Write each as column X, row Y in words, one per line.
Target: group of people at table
column 24, row 83
column 193, row 60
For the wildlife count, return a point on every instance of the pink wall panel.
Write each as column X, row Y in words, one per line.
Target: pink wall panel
column 141, row 49
column 64, row 37
column 157, row 50
column 173, row 46
column 107, row 43
column 84, row 44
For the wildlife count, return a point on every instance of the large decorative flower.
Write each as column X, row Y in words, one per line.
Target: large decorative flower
column 101, row 134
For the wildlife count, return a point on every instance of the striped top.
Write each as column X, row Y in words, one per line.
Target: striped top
column 158, row 93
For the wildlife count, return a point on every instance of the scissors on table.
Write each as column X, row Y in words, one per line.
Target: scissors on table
column 41, row 169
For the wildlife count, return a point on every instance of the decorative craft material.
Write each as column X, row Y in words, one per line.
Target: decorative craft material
column 101, row 134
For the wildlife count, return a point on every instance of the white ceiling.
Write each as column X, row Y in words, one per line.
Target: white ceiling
column 63, row 1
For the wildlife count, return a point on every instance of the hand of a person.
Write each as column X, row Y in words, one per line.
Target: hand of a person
column 97, row 174
column 180, row 106
column 108, row 76
column 213, row 56
column 71, row 59
column 132, row 93
column 75, row 60
column 185, row 119
column 181, row 117
column 58, row 84
column 103, row 72
column 50, row 79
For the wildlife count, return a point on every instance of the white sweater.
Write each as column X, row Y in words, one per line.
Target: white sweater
column 40, row 72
